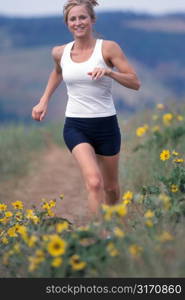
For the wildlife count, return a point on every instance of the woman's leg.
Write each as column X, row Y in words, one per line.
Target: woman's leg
column 85, row 156
column 109, row 166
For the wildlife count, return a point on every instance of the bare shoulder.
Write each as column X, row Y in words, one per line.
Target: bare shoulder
column 110, row 45
column 57, row 52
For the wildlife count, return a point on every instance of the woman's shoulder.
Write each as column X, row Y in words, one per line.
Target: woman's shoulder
column 110, row 48
column 109, row 44
column 57, row 52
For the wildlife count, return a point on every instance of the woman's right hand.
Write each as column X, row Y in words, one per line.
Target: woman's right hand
column 39, row 111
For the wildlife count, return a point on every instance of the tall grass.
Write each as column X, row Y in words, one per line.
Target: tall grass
column 19, row 143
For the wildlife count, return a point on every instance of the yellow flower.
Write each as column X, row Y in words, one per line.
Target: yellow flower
column 56, row 262
column 17, row 204
column 3, row 207
column 18, row 216
column 149, row 214
column 180, row 118
column 4, row 240
column 52, row 203
column 140, row 131
column 128, row 196
column 149, row 223
column 135, row 250
column 61, row 196
column 45, row 206
column 165, row 237
column 175, row 153
column 50, row 213
column 174, row 188
column 108, row 211
column 120, row 209
column 160, row 106
column 56, row 246
column 118, row 232
column 166, row 201
column 16, row 248
column 4, row 220
column 76, row 264
column 111, row 249
column 31, row 241
column 178, row 160
column 8, row 214
column 167, row 118
column 62, row 226
column 165, row 155
column 12, row 232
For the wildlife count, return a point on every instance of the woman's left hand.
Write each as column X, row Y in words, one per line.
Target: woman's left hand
column 97, row 73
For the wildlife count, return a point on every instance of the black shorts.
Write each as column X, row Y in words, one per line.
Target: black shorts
column 103, row 133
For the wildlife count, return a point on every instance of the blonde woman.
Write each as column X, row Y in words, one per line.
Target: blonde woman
column 91, row 130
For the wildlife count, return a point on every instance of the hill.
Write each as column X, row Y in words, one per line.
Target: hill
column 154, row 45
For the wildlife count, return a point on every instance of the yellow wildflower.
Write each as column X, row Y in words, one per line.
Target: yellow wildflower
column 140, row 131
column 61, row 196
column 62, row 226
column 45, row 206
column 108, row 211
column 31, row 241
column 18, row 216
column 128, row 196
column 4, row 220
column 17, row 204
column 165, row 237
column 52, row 203
column 56, row 262
column 4, row 240
column 165, row 155
column 120, row 209
column 135, row 250
column 56, row 246
column 16, row 248
column 111, row 249
column 149, row 223
column 118, row 232
column 8, row 214
column 3, row 207
column 174, row 188
column 180, row 118
column 175, row 153
column 167, row 118
column 149, row 214
column 178, row 160
column 76, row 264
column 12, row 232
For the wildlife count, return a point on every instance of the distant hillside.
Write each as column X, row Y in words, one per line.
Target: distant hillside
column 154, row 45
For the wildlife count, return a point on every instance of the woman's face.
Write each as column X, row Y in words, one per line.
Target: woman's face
column 79, row 21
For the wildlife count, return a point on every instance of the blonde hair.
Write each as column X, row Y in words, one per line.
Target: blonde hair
column 89, row 4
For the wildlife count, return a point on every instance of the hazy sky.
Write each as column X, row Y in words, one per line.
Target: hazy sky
column 54, row 7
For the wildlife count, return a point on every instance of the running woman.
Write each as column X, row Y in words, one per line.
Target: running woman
column 91, row 130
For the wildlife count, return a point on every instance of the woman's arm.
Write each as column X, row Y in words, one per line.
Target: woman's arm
column 39, row 111
column 125, row 75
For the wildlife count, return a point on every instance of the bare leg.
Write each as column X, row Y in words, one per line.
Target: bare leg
column 87, row 161
column 109, row 166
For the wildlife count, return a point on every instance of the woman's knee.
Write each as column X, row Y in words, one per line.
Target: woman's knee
column 94, row 182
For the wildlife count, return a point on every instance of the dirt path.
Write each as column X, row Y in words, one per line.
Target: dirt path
column 54, row 174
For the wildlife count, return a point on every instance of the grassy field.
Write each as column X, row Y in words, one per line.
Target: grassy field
column 144, row 232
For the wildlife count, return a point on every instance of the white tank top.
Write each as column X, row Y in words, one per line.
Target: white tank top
column 86, row 97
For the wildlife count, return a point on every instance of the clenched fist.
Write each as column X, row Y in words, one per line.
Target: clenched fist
column 39, row 111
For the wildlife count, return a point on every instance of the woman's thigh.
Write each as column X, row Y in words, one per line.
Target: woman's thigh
column 86, row 159
column 109, row 166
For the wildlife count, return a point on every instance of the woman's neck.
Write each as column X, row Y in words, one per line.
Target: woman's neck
column 84, row 43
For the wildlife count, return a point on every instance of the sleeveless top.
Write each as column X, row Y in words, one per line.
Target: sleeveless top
column 86, row 97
